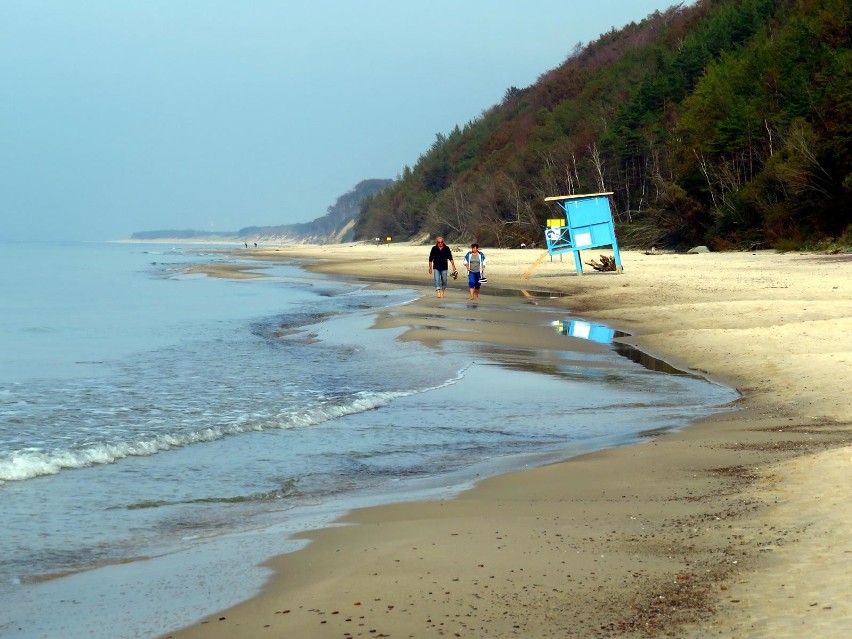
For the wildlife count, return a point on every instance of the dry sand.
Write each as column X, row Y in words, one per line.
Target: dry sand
column 738, row 526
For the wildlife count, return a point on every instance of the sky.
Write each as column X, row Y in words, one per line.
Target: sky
column 119, row 116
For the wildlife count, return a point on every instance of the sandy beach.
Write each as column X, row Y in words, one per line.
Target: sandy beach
column 737, row 526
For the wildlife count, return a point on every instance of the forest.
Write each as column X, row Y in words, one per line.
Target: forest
column 725, row 123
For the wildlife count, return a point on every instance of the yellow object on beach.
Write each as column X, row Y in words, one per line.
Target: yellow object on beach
column 526, row 274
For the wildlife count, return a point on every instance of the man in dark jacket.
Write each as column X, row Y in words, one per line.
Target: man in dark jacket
column 439, row 259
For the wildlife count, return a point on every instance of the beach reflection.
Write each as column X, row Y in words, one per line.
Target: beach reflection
column 585, row 330
column 605, row 335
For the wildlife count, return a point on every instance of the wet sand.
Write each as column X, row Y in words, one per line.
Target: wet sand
column 737, row 526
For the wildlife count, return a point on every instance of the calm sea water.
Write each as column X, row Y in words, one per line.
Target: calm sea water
column 161, row 434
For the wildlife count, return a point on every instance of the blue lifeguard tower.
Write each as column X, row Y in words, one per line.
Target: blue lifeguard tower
column 587, row 224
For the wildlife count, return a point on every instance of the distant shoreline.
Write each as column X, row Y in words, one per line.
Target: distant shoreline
column 178, row 240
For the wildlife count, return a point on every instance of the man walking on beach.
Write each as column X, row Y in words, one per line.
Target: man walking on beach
column 474, row 262
column 439, row 258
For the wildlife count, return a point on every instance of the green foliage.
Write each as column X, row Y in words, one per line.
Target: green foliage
column 727, row 122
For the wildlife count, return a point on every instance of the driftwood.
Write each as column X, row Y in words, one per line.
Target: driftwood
column 607, row 263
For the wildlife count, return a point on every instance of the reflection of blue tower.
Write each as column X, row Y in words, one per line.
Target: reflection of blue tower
column 586, row 330
column 587, row 224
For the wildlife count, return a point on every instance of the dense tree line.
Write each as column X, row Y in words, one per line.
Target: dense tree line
column 727, row 123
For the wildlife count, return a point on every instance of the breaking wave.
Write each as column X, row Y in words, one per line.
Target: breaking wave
column 30, row 462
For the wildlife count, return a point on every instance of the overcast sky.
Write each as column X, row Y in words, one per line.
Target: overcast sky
column 130, row 115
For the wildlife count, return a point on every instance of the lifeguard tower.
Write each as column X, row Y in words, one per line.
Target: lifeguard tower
column 587, row 224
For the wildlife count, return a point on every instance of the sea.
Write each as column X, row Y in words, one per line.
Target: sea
column 164, row 433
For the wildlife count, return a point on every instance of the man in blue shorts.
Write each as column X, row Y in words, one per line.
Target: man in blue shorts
column 474, row 262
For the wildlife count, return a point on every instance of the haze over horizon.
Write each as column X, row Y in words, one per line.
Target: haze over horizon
column 125, row 116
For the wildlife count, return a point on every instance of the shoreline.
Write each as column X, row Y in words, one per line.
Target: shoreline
column 695, row 533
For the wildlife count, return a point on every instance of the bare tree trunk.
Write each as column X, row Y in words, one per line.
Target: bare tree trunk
column 596, row 162
column 769, row 133
column 575, row 186
column 702, row 163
